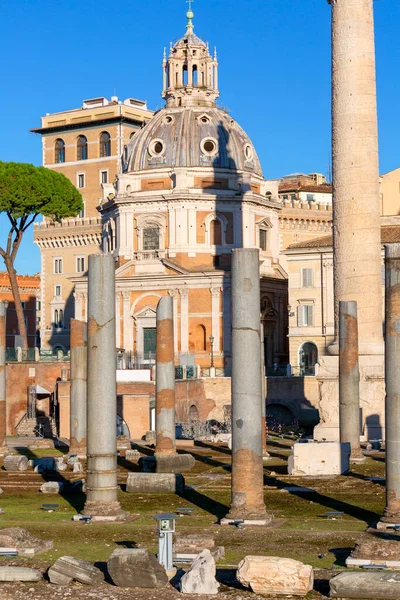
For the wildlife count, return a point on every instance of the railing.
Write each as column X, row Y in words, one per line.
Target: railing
column 217, row 372
column 149, row 254
column 186, row 372
column 135, row 360
column 36, row 355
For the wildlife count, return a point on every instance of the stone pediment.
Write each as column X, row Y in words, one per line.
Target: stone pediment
column 146, row 312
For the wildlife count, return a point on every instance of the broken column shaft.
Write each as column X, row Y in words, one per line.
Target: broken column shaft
column 349, row 377
column 78, row 404
column 165, row 378
column 392, row 377
column 101, row 484
column 3, row 422
column 247, row 461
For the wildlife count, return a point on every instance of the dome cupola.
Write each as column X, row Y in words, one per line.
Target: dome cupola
column 190, row 73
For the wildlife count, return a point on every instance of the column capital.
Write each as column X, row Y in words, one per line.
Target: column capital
column 215, row 292
column 126, row 295
column 173, row 293
column 184, row 293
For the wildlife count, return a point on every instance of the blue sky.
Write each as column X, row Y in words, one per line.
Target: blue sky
column 274, row 72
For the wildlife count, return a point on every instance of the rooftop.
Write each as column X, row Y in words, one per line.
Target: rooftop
column 389, row 234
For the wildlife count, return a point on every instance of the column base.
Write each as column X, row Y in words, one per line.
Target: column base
column 250, row 520
column 105, row 511
column 390, row 518
column 357, row 456
column 78, row 448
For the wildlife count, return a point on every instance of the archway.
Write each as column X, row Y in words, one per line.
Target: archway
column 308, row 358
column 193, row 413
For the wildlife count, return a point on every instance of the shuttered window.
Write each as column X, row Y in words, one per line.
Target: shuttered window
column 307, row 278
column 149, row 342
column 305, row 315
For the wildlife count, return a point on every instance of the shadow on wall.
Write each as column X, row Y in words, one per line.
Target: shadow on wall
column 61, row 314
column 287, row 404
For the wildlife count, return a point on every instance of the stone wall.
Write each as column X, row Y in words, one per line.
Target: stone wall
column 18, row 377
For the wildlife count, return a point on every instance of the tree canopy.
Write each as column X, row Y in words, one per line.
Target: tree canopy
column 27, row 191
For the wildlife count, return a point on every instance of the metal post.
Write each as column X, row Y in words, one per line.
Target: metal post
column 165, row 378
column 101, row 389
column 349, row 377
column 392, row 377
column 3, row 422
column 78, row 399
column 247, row 462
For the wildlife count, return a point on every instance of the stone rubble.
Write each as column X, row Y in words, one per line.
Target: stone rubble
column 15, row 462
column 136, row 568
column 200, row 579
column 274, row 575
column 68, row 568
column 52, row 487
column 19, row 574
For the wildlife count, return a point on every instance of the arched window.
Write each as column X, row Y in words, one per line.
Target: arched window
column 105, row 144
column 59, row 151
column 201, row 338
column 215, row 233
column 185, row 75
column 60, row 318
column 56, row 318
column 82, row 148
column 151, row 238
column 308, row 358
column 195, row 74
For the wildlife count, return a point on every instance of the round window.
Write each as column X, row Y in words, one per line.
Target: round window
column 156, row 148
column 248, row 152
column 168, row 119
column 209, row 146
column 204, row 120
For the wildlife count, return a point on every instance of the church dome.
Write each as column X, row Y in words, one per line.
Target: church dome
column 192, row 137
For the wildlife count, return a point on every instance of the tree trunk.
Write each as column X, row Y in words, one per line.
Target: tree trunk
column 17, row 300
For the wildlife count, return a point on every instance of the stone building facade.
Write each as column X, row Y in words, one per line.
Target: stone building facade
column 86, row 145
column 191, row 189
column 311, row 296
column 29, row 289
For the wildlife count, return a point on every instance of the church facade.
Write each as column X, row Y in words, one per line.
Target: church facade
column 190, row 190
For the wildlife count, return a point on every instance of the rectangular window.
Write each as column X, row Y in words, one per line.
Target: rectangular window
column 307, row 278
column 310, row 197
column 103, row 176
column 81, row 180
column 80, row 264
column 82, row 212
column 57, row 291
column 305, row 315
column 263, row 239
column 58, row 265
column 37, row 304
column 149, row 342
column 293, row 196
column 151, row 238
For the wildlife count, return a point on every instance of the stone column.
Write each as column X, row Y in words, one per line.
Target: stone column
column 392, row 376
column 356, row 226
column 165, row 378
column 78, row 404
column 349, row 377
column 263, row 393
column 247, row 462
column 101, row 485
column 184, row 320
column 3, row 422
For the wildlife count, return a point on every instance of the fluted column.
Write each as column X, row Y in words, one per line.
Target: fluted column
column 78, row 396
column 356, row 226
